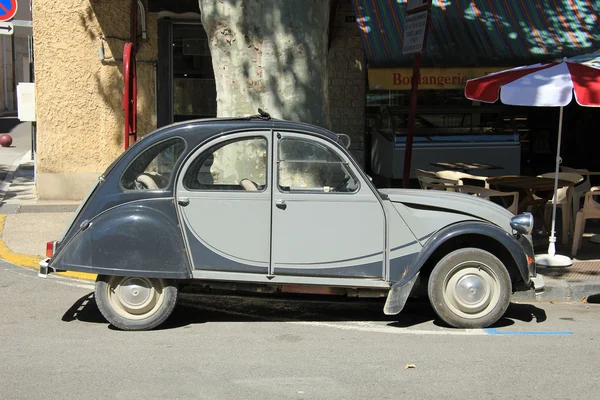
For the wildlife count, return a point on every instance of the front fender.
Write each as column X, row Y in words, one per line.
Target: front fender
column 519, row 249
column 140, row 238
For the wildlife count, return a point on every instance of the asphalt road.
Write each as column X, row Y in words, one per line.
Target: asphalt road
column 55, row 344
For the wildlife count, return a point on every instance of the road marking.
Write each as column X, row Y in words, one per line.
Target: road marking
column 365, row 326
column 55, row 279
column 494, row 331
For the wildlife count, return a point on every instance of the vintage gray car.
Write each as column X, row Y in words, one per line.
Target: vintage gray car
column 276, row 206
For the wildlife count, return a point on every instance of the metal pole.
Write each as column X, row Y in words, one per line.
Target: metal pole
column 412, row 112
column 552, row 240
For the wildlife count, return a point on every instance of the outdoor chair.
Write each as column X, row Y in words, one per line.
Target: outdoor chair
column 435, row 183
column 421, row 172
column 580, row 188
column 590, row 210
column 563, row 200
column 509, row 200
column 462, row 177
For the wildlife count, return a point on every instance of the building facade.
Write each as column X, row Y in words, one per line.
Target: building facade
column 79, row 81
column 79, row 73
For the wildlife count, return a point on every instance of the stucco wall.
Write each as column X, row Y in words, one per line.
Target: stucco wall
column 79, row 97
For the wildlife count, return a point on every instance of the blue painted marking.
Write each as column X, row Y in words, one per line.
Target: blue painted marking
column 494, row 331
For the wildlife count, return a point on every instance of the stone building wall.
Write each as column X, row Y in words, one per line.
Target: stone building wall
column 79, row 97
column 347, row 78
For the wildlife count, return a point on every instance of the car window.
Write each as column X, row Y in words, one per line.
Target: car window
column 152, row 170
column 308, row 166
column 239, row 164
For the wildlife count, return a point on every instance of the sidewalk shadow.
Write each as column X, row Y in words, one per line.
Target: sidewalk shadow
column 200, row 309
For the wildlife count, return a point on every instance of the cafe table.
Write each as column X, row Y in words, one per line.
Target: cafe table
column 538, row 191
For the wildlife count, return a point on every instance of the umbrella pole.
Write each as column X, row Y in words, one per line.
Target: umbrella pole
column 552, row 259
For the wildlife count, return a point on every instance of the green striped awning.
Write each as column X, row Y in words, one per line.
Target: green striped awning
column 482, row 32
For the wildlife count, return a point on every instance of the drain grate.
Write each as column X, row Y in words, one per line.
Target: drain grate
column 57, row 208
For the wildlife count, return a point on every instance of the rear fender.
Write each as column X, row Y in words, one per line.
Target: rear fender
column 140, row 238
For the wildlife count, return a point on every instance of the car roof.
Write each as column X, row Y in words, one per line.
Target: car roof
column 208, row 127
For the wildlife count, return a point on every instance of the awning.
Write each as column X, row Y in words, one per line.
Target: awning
column 482, row 32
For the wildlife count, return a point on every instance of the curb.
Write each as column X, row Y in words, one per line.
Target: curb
column 29, row 261
column 561, row 291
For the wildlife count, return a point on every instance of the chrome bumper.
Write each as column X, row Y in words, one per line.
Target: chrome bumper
column 538, row 284
column 44, row 268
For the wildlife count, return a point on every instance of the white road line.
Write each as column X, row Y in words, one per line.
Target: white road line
column 55, row 279
column 361, row 326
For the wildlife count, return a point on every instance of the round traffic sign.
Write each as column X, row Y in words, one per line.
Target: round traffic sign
column 8, row 9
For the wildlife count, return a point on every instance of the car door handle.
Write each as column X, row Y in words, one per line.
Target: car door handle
column 183, row 202
column 280, row 204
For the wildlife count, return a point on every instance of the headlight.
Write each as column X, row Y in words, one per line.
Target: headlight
column 522, row 223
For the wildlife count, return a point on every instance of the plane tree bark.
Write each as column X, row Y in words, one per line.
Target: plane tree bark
column 270, row 54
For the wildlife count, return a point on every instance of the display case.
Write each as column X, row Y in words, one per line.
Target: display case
column 486, row 135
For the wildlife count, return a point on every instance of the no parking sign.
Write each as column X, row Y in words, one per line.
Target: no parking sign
column 8, row 9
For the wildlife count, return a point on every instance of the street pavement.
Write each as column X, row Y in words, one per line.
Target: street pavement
column 54, row 344
column 21, row 145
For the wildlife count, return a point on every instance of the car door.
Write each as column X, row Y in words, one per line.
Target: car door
column 224, row 199
column 327, row 221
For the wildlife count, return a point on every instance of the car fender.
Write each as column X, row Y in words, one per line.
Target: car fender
column 140, row 238
column 402, row 288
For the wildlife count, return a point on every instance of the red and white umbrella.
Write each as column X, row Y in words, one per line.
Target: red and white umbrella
column 543, row 85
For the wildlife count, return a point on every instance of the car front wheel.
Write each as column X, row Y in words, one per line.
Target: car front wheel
column 469, row 288
column 135, row 303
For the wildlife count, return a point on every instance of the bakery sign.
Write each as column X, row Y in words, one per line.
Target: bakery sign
column 429, row 78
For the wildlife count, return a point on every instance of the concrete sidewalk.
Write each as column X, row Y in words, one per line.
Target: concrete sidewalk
column 29, row 223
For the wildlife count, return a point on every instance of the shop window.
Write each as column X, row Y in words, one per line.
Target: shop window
column 307, row 166
column 153, row 169
column 230, row 166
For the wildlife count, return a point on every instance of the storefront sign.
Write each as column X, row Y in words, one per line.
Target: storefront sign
column 430, row 78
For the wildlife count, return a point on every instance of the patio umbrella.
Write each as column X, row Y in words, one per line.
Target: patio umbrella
column 543, row 85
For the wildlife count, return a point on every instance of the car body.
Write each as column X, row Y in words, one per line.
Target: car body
column 274, row 205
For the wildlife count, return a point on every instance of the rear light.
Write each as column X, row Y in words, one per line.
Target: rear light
column 50, row 249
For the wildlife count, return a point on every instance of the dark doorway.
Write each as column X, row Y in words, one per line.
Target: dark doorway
column 186, row 81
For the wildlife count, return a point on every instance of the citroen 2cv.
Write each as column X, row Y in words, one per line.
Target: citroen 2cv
column 272, row 205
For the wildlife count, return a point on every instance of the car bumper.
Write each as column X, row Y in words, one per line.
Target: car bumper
column 44, row 268
column 538, row 284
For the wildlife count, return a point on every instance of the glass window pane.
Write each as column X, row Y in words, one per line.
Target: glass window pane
column 153, row 169
column 308, row 166
column 232, row 165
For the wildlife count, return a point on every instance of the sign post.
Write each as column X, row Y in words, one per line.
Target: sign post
column 415, row 36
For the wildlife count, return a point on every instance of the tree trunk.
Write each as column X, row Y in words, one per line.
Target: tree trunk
column 270, row 54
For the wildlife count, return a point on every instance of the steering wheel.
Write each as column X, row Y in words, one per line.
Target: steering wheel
column 342, row 183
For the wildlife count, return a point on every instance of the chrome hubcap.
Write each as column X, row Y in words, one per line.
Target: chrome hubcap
column 472, row 289
column 135, row 298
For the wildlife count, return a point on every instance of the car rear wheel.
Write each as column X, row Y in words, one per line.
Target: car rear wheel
column 469, row 288
column 135, row 303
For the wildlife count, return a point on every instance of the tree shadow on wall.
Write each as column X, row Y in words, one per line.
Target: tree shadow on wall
column 107, row 23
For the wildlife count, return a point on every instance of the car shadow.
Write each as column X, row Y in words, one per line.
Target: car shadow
column 199, row 309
